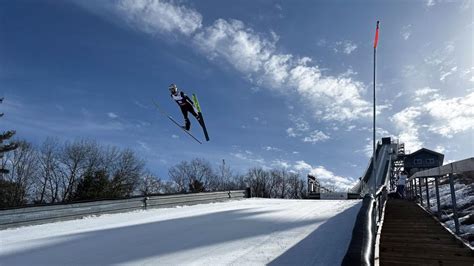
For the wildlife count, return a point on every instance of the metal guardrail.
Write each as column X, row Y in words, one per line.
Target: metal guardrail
column 415, row 186
column 363, row 248
column 45, row 214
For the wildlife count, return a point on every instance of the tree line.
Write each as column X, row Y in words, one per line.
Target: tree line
column 70, row 171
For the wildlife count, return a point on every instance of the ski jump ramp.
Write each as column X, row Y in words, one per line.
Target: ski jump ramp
column 242, row 232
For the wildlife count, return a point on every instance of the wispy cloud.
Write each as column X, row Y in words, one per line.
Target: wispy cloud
column 281, row 164
column 270, row 148
column 159, row 16
column 112, row 115
column 316, row 136
column 143, row 145
column 346, row 47
column 254, row 55
column 425, row 91
column 406, row 32
column 430, row 3
column 302, row 130
column 447, row 73
column 259, row 161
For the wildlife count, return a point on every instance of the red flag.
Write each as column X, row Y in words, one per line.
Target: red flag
column 376, row 36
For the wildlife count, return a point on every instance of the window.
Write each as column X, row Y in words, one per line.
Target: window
column 418, row 161
column 430, row 161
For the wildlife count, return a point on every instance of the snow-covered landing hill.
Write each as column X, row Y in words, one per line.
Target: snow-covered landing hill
column 251, row 231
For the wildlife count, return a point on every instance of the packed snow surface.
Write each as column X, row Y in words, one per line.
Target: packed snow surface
column 250, row 231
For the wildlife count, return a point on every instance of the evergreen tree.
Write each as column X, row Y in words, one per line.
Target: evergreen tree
column 94, row 185
column 7, row 146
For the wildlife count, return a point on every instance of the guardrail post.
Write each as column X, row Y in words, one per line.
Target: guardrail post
column 427, row 194
column 421, row 191
column 453, row 200
column 437, row 197
column 145, row 202
column 228, row 193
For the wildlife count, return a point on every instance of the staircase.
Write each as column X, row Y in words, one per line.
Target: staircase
column 410, row 236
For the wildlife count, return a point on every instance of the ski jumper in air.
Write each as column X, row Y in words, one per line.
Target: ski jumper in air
column 185, row 104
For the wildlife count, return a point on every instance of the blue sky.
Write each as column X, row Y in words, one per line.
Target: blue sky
column 281, row 83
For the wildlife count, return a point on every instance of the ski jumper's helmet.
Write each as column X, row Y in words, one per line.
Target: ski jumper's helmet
column 173, row 88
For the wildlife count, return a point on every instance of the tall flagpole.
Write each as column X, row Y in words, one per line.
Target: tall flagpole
column 374, row 128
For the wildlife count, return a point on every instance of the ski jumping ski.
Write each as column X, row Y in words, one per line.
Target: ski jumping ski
column 201, row 121
column 176, row 123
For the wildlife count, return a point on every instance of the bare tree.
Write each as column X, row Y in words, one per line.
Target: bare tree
column 179, row 175
column 126, row 176
column 296, row 186
column 74, row 164
column 169, row 187
column 23, row 165
column 279, row 181
column 150, row 184
column 201, row 174
column 47, row 182
column 258, row 181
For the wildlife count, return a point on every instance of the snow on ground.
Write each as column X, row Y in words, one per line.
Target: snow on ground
column 246, row 232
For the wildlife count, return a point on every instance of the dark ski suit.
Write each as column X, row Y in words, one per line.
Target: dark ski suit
column 186, row 105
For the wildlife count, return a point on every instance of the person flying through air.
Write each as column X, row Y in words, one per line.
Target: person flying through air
column 185, row 104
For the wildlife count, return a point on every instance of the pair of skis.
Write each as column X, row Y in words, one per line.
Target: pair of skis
column 201, row 120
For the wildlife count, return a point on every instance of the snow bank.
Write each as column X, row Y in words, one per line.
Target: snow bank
column 252, row 231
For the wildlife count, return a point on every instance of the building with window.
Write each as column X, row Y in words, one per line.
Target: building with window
column 422, row 159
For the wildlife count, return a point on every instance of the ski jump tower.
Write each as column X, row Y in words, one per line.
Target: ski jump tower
column 389, row 158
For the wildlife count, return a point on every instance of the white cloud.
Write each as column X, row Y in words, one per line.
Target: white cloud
column 425, row 91
column 442, row 56
column 291, row 132
column 157, row 16
column 141, row 105
column 405, row 122
column 444, row 117
column 346, row 47
column 280, row 164
column 302, row 166
column 302, row 128
column 406, row 32
column 350, row 128
column 316, row 136
column 112, row 115
column 175, row 136
column 430, row 3
column 249, row 158
column 447, row 73
column 451, row 116
column 239, row 45
column 326, row 177
column 254, row 56
column 270, row 148
column 143, row 145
